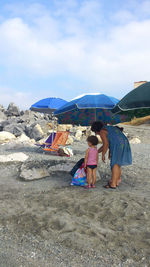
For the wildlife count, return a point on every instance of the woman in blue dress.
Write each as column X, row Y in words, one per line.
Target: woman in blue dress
column 119, row 147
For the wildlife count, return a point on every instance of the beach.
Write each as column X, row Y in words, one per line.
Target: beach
column 47, row 222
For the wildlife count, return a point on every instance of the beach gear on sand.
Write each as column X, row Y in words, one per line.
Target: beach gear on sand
column 60, row 140
column 88, row 108
column 119, row 147
column 65, row 151
column 76, row 167
column 79, row 177
column 48, row 141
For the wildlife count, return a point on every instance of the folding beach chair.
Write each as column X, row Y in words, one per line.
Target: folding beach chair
column 60, row 140
column 48, row 142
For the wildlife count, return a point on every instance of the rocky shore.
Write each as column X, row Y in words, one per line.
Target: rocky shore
column 46, row 222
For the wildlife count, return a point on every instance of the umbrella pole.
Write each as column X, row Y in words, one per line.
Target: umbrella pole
column 53, row 129
column 95, row 114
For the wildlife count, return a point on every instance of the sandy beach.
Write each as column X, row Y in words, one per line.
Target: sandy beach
column 47, row 222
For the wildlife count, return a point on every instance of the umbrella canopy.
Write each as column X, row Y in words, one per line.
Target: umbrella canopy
column 88, row 108
column 135, row 103
column 48, row 105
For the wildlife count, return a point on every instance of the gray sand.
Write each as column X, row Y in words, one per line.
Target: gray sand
column 47, row 222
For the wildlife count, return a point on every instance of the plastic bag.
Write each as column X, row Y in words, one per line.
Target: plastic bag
column 80, row 177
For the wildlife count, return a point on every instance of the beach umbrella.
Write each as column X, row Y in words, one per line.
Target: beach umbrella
column 136, row 103
column 48, row 105
column 85, row 109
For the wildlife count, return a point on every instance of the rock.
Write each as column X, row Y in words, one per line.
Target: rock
column 22, row 113
column 88, row 132
column 2, row 116
column 135, row 141
column 47, row 117
column 70, row 140
column 73, row 130
column 16, row 129
column 2, row 108
column 6, row 137
column 82, row 128
column 29, row 117
column 3, row 124
column 62, row 127
column 23, row 138
column 44, row 126
column 33, row 173
column 68, row 127
column 50, row 125
column 78, row 135
column 21, row 157
column 12, row 110
column 36, row 132
column 64, row 167
column 37, row 170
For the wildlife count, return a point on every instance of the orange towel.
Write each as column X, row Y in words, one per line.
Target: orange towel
column 60, row 140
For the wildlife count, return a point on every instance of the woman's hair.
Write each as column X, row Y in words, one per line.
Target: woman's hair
column 93, row 140
column 97, row 126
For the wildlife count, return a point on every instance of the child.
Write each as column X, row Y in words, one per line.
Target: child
column 91, row 161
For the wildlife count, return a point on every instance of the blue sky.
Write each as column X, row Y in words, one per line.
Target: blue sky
column 65, row 48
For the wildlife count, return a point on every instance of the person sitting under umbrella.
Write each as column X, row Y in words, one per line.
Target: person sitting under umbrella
column 120, row 151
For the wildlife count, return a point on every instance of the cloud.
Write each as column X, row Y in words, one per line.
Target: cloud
column 21, row 99
column 74, row 39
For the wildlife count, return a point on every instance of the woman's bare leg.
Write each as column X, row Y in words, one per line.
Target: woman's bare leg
column 115, row 175
column 119, row 178
column 94, row 176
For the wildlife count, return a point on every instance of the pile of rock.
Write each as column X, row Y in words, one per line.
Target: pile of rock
column 29, row 126
column 22, row 124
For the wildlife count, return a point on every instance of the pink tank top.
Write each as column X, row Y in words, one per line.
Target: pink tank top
column 92, row 156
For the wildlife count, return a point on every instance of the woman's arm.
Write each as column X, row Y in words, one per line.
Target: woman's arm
column 86, row 158
column 105, row 144
column 100, row 149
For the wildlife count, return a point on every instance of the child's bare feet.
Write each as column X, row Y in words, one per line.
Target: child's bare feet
column 87, row 186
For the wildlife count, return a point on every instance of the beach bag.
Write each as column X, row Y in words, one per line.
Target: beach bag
column 80, row 177
column 76, row 167
column 65, row 151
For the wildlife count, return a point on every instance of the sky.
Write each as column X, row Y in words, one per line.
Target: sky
column 65, row 48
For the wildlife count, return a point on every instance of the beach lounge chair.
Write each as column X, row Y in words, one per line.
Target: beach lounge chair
column 48, row 141
column 60, row 140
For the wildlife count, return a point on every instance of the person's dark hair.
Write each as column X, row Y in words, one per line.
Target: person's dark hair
column 97, row 126
column 93, row 140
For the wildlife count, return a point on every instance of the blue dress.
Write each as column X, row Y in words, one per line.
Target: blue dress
column 119, row 147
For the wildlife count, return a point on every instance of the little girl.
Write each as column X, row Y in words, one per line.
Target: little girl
column 91, row 161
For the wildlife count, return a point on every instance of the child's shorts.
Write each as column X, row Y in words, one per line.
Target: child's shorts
column 92, row 166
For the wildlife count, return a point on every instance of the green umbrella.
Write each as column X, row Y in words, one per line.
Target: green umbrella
column 136, row 103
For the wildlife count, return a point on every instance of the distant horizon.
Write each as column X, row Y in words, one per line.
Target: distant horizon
column 71, row 47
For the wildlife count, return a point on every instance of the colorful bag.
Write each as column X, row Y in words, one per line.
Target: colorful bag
column 80, row 177
column 76, row 167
